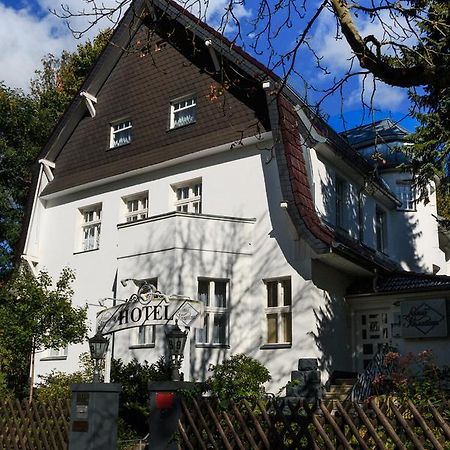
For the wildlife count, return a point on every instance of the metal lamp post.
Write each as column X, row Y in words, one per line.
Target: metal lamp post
column 176, row 340
column 98, row 346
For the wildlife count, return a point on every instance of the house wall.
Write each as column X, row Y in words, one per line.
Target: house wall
column 243, row 235
column 412, row 236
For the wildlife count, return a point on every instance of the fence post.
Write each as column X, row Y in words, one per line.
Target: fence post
column 93, row 418
column 165, row 412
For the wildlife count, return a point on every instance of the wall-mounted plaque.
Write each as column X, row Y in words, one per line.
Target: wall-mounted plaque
column 424, row 318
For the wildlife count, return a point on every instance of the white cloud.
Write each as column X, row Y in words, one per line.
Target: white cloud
column 26, row 38
column 384, row 97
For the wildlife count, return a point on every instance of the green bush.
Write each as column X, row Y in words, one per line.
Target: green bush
column 134, row 398
column 239, row 376
column 56, row 385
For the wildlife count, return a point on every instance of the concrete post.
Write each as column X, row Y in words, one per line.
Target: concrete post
column 165, row 411
column 93, row 418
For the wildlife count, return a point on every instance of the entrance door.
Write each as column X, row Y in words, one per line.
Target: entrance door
column 373, row 330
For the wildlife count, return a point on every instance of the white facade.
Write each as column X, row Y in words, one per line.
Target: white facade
column 216, row 224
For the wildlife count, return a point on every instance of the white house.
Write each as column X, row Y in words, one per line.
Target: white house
column 181, row 162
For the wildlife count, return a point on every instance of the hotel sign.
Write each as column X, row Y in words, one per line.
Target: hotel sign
column 424, row 318
column 158, row 310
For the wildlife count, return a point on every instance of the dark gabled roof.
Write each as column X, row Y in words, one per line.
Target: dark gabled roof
column 400, row 282
column 289, row 155
column 383, row 131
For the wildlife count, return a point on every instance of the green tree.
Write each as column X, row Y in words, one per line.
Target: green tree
column 25, row 124
column 35, row 316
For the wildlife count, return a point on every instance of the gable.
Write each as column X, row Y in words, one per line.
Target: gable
column 140, row 88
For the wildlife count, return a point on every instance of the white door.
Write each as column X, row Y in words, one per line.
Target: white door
column 373, row 330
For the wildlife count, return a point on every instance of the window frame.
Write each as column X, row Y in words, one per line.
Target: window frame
column 94, row 224
column 54, row 354
column 193, row 203
column 173, row 110
column 143, row 328
column 113, row 132
column 340, row 196
column 143, row 207
column 411, row 203
column 381, row 243
column 212, row 312
column 280, row 311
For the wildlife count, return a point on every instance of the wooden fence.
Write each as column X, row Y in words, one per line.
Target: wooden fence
column 35, row 426
column 379, row 424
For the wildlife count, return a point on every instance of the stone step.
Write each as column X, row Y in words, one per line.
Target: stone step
column 346, row 381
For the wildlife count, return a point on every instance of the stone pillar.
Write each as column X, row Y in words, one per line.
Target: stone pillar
column 165, row 411
column 93, row 416
column 305, row 382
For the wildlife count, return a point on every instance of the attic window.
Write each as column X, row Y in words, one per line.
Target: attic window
column 120, row 134
column 183, row 112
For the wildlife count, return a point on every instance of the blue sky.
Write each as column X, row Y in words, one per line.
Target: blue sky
column 29, row 32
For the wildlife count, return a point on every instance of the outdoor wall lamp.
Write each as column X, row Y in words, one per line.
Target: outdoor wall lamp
column 98, row 346
column 176, row 340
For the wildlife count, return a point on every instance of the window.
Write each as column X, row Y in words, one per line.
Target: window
column 120, row 134
column 146, row 335
column 183, row 112
column 340, row 196
column 57, row 353
column 406, row 194
column 189, row 197
column 278, row 311
column 380, row 230
column 136, row 207
column 215, row 295
column 91, row 227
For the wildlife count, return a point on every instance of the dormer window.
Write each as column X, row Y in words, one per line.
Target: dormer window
column 183, row 112
column 120, row 134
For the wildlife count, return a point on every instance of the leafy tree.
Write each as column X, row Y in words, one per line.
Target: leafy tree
column 25, row 124
column 134, row 378
column 239, row 376
column 35, row 316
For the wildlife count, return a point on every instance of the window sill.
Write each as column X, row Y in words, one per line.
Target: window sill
column 181, row 126
column 118, row 146
column 138, row 346
column 212, row 346
column 86, row 251
column 54, row 358
column 275, row 346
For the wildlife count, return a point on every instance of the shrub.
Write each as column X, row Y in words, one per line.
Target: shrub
column 415, row 377
column 134, row 398
column 239, row 376
column 56, row 385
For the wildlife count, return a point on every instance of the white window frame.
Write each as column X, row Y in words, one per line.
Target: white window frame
column 91, row 219
column 340, row 191
column 57, row 353
column 188, row 196
column 179, row 105
column 280, row 311
column 406, row 194
column 116, row 129
column 380, row 230
column 204, row 337
column 145, row 335
column 140, row 201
